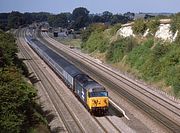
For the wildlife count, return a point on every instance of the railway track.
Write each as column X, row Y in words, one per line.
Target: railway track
column 104, row 122
column 165, row 111
column 70, row 121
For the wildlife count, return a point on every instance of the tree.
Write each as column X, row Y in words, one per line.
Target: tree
column 118, row 19
column 28, row 18
column 15, row 19
column 40, row 17
column 129, row 15
column 59, row 20
column 4, row 21
column 80, row 18
column 107, row 16
column 97, row 18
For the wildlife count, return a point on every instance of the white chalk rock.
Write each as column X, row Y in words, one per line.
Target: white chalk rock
column 126, row 31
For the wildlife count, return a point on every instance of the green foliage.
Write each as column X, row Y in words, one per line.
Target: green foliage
column 18, row 109
column 153, row 25
column 139, row 26
column 59, row 20
column 115, row 28
column 159, row 50
column 80, row 17
column 175, row 25
column 139, row 55
column 118, row 18
column 154, row 60
column 99, row 27
column 16, row 19
column 17, row 101
column 95, row 42
column 158, row 63
column 8, row 49
column 151, row 68
column 119, row 48
column 4, row 21
column 170, row 72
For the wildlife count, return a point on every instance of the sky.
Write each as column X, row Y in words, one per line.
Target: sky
column 94, row 6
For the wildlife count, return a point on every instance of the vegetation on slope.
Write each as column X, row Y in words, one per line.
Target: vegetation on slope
column 153, row 25
column 140, row 26
column 155, row 61
column 175, row 25
column 19, row 111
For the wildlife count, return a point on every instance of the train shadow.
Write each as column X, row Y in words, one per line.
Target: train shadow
column 50, row 117
column 24, row 59
column 112, row 111
column 33, row 78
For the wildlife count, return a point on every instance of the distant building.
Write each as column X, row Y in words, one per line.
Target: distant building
column 150, row 15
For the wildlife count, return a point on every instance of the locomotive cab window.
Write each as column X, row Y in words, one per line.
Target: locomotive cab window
column 98, row 94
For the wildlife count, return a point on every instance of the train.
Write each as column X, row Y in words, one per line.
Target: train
column 93, row 95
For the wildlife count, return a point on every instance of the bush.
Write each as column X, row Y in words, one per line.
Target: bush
column 153, row 25
column 159, row 50
column 151, row 69
column 99, row 27
column 139, row 26
column 17, row 101
column 115, row 52
column 119, row 48
column 175, row 25
column 96, row 42
column 8, row 49
column 115, row 28
column 138, row 56
column 158, row 63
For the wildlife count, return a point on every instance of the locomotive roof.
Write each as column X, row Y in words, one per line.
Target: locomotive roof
column 88, row 83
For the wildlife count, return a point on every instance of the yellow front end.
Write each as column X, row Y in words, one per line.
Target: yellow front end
column 98, row 104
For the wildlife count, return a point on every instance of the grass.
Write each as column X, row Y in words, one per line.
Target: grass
column 71, row 42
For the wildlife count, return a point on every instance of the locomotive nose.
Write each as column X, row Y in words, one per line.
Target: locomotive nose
column 100, row 102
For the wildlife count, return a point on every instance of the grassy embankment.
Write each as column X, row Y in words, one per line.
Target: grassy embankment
column 148, row 58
